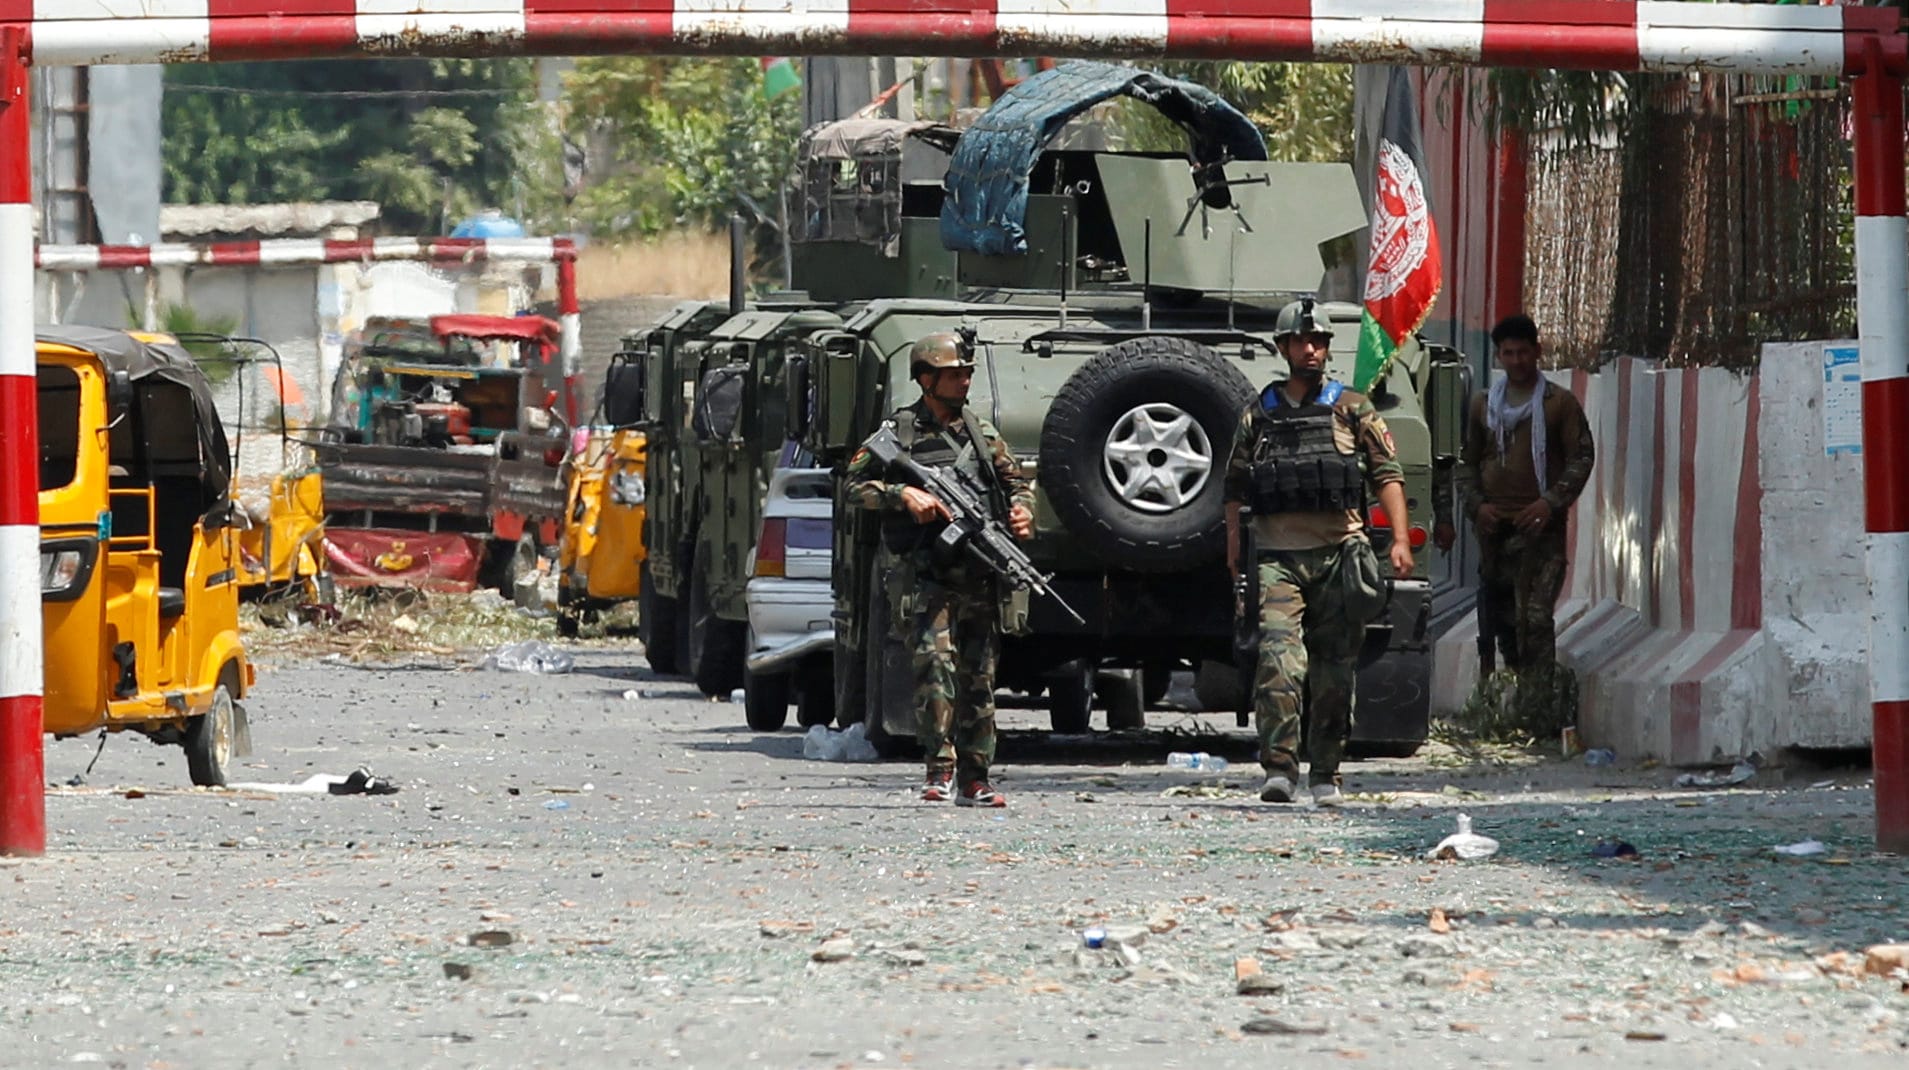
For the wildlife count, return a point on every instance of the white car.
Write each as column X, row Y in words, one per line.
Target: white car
column 791, row 634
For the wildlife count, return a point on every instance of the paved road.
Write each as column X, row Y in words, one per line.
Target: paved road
column 665, row 877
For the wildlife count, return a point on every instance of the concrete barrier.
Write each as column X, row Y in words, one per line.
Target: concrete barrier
column 1715, row 602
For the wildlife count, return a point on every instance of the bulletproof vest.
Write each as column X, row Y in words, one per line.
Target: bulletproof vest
column 936, row 449
column 1297, row 464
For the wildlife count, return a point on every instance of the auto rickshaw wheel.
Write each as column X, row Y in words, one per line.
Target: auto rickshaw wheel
column 210, row 740
column 523, row 572
column 571, row 601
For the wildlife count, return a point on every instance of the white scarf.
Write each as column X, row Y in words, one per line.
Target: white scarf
column 1503, row 419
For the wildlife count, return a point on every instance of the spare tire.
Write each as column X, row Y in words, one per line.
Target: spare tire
column 1144, row 429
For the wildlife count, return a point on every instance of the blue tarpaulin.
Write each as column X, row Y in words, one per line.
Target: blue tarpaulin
column 986, row 205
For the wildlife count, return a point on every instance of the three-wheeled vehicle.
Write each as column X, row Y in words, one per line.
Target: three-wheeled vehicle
column 281, row 547
column 600, row 562
column 443, row 465
column 139, row 548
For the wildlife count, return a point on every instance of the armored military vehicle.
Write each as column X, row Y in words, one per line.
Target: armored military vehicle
column 713, row 376
column 1121, row 308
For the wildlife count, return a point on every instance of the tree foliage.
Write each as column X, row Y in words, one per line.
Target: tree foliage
column 1304, row 110
column 688, row 141
column 430, row 140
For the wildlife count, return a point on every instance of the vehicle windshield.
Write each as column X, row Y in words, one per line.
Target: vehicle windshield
column 59, row 397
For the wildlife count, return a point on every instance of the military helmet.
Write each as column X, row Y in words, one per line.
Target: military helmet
column 943, row 349
column 1300, row 317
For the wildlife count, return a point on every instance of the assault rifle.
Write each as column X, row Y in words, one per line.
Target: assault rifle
column 973, row 529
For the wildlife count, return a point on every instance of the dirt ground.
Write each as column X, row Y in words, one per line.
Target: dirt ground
column 569, row 877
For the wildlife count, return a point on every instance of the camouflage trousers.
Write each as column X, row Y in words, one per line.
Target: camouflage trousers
column 955, row 640
column 1308, row 660
column 1521, row 576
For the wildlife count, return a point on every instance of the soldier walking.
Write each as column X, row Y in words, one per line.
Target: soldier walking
column 1527, row 456
column 1297, row 463
column 948, row 610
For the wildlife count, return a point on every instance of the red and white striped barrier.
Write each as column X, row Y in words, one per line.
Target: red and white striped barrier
column 286, row 251
column 1882, row 311
column 22, row 766
column 1599, row 34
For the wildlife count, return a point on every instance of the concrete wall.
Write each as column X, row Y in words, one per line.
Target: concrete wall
column 1715, row 600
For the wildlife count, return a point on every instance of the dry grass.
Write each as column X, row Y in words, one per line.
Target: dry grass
column 680, row 264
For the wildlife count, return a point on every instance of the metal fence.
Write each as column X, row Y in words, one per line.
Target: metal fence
column 1719, row 219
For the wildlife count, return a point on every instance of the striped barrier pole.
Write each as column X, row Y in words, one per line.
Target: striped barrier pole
column 570, row 315
column 1882, row 315
column 1623, row 35
column 22, row 756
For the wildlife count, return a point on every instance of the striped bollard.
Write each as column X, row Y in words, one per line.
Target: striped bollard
column 22, row 759
column 1882, row 314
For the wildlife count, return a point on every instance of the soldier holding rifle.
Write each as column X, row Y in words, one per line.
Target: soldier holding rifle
column 945, row 567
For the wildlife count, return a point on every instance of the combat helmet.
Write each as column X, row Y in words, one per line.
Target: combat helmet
column 943, row 349
column 1300, row 317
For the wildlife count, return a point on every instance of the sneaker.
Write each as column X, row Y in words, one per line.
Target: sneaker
column 1277, row 789
column 978, row 793
column 939, row 788
column 1328, row 794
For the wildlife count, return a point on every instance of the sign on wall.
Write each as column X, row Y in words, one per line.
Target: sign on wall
column 1842, row 400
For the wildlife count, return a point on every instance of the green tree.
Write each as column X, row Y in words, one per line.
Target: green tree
column 428, row 139
column 693, row 140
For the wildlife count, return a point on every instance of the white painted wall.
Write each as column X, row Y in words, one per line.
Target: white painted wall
column 1815, row 688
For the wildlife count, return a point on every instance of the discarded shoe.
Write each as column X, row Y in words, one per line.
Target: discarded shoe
column 361, row 782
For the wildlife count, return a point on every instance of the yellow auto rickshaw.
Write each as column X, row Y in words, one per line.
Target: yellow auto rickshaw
column 139, row 548
column 600, row 560
column 281, row 541
column 282, row 549
column 601, row 555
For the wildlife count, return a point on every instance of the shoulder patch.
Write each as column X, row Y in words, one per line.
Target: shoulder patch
column 860, row 456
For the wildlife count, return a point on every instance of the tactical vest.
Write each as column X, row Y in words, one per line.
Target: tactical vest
column 937, row 450
column 1297, row 464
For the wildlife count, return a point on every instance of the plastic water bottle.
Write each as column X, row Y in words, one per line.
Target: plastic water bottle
column 1600, row 756
column 1200, row 762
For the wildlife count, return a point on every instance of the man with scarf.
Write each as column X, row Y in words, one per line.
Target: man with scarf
column 1527, row 456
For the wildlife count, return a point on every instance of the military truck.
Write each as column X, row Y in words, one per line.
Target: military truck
column 1121, row 311
column 713, row 399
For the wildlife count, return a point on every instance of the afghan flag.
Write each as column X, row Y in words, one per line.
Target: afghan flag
column 778, row 76
column 1403, row 268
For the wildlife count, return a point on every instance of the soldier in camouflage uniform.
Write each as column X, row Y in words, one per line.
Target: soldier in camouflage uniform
column 1517, row 486
column 1296, row 461
column 948, row 610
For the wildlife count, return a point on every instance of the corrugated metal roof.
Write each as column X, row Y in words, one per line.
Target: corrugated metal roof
column 292, row 220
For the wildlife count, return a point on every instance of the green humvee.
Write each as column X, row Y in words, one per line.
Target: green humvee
column 1121, row 308
column 713, row 395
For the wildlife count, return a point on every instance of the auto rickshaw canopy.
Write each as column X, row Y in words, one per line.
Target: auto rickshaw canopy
column 154, row 373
